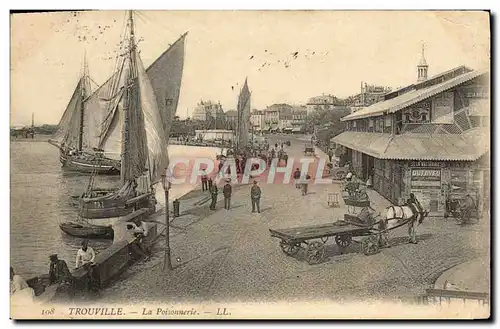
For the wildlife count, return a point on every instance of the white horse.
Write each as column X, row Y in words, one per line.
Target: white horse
column 397, row 215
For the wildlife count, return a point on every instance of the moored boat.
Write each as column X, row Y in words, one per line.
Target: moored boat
column 134, row 127
column 87, row 231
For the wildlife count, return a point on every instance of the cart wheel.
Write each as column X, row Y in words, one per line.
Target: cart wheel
column 315, row 252
column 289, row 248
column 343, row 240
column 370, row 246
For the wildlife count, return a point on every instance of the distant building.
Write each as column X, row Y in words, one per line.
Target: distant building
column 299, row 116
column 278, row 117
column 257, row 120
column 207, row 109
column 231, row 119
column 369, row 94
column 323, row 102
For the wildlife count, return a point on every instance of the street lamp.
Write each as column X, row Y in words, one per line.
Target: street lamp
column 167, row 264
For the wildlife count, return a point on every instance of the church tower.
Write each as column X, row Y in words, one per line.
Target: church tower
column 422, row 67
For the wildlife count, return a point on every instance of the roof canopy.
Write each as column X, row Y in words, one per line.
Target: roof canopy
column 412, row 97
column 468, row 146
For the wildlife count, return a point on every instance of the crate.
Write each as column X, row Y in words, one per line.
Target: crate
column 333, row 200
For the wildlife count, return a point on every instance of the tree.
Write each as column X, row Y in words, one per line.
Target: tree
column 329, row 122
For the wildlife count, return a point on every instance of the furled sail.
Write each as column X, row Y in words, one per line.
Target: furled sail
column 155, row 135
column 68, row 127
column 243, row 115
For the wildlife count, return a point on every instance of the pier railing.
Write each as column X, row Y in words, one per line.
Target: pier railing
column 441, row 296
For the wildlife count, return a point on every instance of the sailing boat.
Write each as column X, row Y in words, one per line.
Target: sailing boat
column 74, row 153
column 243, row 118
column 135, row 127
column 83, row 118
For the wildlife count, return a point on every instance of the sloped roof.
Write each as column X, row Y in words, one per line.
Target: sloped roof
column 414, row 96
column 468, row 146
column 231, row 113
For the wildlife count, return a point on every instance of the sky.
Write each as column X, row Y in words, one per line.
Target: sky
column 288, row 56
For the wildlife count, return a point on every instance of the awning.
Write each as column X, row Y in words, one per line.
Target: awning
column 296, row 130
column 412, row 97
column 287, row 129
column 468, row 146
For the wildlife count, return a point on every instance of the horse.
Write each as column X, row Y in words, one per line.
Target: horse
column 396, row 215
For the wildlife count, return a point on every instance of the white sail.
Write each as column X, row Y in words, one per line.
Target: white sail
column 155, row 135
column 109, row 103
column 67, row 129
column 165, row 75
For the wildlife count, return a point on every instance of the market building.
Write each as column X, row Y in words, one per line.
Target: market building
column 430, row 138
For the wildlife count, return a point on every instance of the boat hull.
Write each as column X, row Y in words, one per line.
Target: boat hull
column 88, row 231
column 98, row 208
column 84, row 165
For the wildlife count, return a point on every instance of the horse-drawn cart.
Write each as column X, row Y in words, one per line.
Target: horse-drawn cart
column 311, row 239
column 309, row 148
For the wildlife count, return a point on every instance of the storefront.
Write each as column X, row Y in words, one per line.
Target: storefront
column 433, row 182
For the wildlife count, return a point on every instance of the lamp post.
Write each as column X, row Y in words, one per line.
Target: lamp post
column 167, row 264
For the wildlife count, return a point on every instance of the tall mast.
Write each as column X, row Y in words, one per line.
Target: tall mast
column 82, row 98
column 32, row 119
column 128, row 82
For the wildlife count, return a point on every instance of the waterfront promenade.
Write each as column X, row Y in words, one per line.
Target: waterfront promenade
column 230, row 256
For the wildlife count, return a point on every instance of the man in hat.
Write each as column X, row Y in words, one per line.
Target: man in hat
column 204, row 180
column 417, row 209
column 227, row 191
column 59, row 271
column 84, row 255
column 214, row 191
column 255, row 193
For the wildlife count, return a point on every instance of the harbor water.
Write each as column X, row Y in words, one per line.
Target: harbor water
column 41, row 199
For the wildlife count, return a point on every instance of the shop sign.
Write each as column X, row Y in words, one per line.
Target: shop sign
column 426, row 174
column 428, row 164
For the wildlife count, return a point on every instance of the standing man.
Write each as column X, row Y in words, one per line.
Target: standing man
column 255, row 193
column 330, row 155
column 296, row 177
column 305, row 184
column 204, row 181
column 417, row 209
column 226, row 191
column 214, row 191
column 84, row 255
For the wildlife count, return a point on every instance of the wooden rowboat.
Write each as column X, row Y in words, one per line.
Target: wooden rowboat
column 87, row 231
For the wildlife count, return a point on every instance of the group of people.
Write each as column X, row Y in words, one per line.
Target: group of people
column 59, row 274
column 227, row 191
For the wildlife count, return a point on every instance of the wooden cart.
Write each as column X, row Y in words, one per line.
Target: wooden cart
column 309, row 149
column 311, row 239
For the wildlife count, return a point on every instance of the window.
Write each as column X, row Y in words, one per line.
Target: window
column 388, row 120
column 370, row 123
column 442, row 108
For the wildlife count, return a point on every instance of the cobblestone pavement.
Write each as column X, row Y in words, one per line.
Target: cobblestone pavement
column 230, row 255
